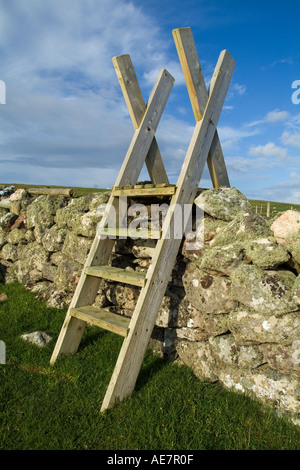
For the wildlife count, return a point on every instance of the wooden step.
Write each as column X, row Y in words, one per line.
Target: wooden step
column 99, row 317
column 144, row 190
column 117, row 274
column 130, row 233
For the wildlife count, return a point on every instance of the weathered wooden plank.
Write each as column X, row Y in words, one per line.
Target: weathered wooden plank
column 99, row 317
column 68, row 192
column 130, row 232
column 134, row 278
column 147, row 190
column 198, row 94
column 136, row 106
column 132, row 352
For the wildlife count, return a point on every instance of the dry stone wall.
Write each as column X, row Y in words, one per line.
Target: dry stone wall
column 231, row 311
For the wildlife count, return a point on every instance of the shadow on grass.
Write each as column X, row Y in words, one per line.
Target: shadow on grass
column 149, row 370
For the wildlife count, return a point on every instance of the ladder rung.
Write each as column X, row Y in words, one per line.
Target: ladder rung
column 130, row 233
column 145, row 190
column 108, row 321
column 117, row 274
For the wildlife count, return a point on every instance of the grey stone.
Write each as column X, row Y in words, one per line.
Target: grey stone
column 269, row 386
column 264, row 291
column 53, row 238
column 39, row 338
column 285, row 358
column 222, row 259
column 252, row 327
column 208, row 293
column 266, row 253
column 223, row 203
column 226, row 350
column 244, row 227
column 76, row 247
column 42, row 210
column 198, row 356
column 67, row 275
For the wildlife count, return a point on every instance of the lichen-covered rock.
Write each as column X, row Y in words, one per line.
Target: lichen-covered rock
column 49, row 272
column 123, row 296
column 86, row 224
column 208, row 293
column 244, row 227
column 222, row 259
column 266, row 253
column 33, row 256
column 16, row 236
column 18, row 195
column 286, row 224
column 98, row 199
column 67, row 275
column 9, row 252
column 143, row 248
column 208, row 229
column 76, row 247
column 2, row 237
column 223, row 203
column 225, row 349
column 264, row 291
column 285, row 358
column 251, row 327
column 7, row 220
column 54, row 238
column 191, row 317
column 271, row 387
column 198, row 356
column 42, row 210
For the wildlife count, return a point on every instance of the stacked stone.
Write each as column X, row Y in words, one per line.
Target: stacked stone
column 45, row 241
column 231, row 311
column 243, row 287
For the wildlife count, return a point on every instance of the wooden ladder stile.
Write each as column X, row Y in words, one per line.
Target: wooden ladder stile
column 143, row 148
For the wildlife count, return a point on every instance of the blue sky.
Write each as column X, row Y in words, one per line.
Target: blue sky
column 65, row 121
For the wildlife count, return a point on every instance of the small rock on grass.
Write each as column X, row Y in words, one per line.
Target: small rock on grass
column 3, row 297
column 39, row 338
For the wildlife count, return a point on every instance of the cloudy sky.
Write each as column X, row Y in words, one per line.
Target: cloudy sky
column 65, row 121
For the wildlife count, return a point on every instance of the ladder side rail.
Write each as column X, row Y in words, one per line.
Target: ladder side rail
column 190, row 64
column 137, row 108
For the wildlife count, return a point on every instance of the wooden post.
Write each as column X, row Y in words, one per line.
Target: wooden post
column 198, row 94
column 268, row 209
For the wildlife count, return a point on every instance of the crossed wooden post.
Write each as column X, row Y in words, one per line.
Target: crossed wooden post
column 143, row 148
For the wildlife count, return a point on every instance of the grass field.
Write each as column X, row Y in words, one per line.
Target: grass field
column 44, row 407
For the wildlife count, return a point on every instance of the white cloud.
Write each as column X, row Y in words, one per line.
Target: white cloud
column 276, row 116
column 293, row 140
column 230, row 136
column 65, row 109
column 272, row 117
column 240, row 89
column 268, row 150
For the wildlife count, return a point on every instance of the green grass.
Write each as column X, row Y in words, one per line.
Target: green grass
column 44, row 407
